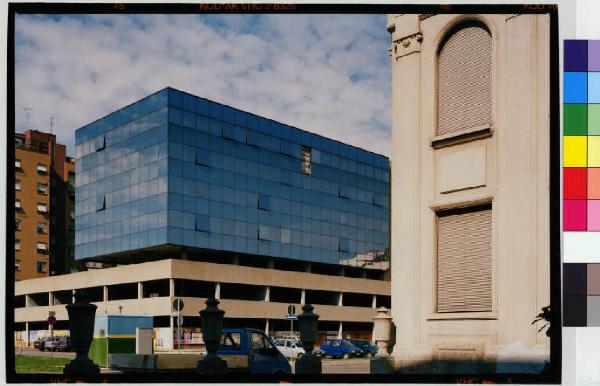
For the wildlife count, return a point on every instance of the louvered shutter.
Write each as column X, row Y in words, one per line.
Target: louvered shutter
column 464, row 260
column 464, row 80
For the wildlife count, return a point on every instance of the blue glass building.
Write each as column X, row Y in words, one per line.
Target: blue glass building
column 175, row 172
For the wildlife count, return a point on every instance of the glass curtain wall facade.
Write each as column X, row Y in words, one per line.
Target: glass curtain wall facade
column 177, row 169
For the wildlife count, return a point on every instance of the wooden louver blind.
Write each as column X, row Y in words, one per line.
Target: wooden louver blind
column 464, row 260
column 464, row 80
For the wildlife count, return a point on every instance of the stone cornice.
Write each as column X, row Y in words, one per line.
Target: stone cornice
column 406, row 45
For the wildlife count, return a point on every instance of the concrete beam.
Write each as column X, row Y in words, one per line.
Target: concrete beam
column 140, row 287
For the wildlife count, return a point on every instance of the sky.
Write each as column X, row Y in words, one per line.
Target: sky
column 328, row 74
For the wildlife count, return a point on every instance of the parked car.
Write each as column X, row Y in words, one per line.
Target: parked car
column 64, row 344
column 51, row 344
column 39, row 344
column 290, row 348
column 339, row 348
column 368, row 349
column 251, row 351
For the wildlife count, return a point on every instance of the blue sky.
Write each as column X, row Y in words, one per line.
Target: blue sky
column 329, row 74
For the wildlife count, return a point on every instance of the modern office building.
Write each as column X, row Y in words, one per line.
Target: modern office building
column 206, row 200
column 44, row 206
column 470, row 222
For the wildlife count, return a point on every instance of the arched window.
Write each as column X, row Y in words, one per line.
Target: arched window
column 464, row 78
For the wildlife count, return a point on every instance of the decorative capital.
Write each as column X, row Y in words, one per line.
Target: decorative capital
column 406, row 45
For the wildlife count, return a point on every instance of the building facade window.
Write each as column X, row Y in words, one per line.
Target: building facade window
column 263, row 232
column 17, row 224
column 42, row 208
column 100, row 203
column 464, row 259
column 286, row 236
column 306, row 158
column 18, row 205
column 202, row 158
column 202, row 223
column 41, row 266
column 17, row 265
column 17, row 244
column 99, row 143
column 18, row 185
column 343, row 245
column 42, row 169
column 264, row 202
column 465, row 78
column 18, row 165
column 42, row 188
column 41, row 247
column 41, row 227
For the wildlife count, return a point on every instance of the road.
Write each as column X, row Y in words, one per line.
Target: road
column 345, row 366
column 330, row 366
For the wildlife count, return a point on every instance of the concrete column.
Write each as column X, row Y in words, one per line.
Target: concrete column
column 341, row 299
column 266, row 326
column 27, row 333
column 217, row 290
column 308, row 267
column 236, row 260
column 267, row 294
column 172, row 329
column 172, row 287
column 342, row 271
column 270, row 263
column 105, row 293
column 140, row 290
column 50, row 299
column 73, row 296
column 374, row 302
column 340, row 330
column 303, row 297
column 28, row 302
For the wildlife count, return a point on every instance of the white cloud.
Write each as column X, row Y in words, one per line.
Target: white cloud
column 328, row 74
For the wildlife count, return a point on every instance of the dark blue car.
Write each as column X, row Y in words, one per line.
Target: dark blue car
column 339, row 348
column 368, row 348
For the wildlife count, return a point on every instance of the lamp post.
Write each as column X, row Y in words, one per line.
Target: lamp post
column 381, row 363
column 212, row 329
column 308, row 363
column 81, row 329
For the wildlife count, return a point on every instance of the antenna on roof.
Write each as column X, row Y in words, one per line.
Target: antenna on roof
column 27, row 118
column 52, row 124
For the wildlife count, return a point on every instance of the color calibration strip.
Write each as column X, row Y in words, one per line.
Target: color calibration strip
column 581, row 151
column 581, row 183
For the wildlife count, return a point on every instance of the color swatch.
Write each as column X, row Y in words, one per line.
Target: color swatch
column 581, row 295
column 581, row 151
